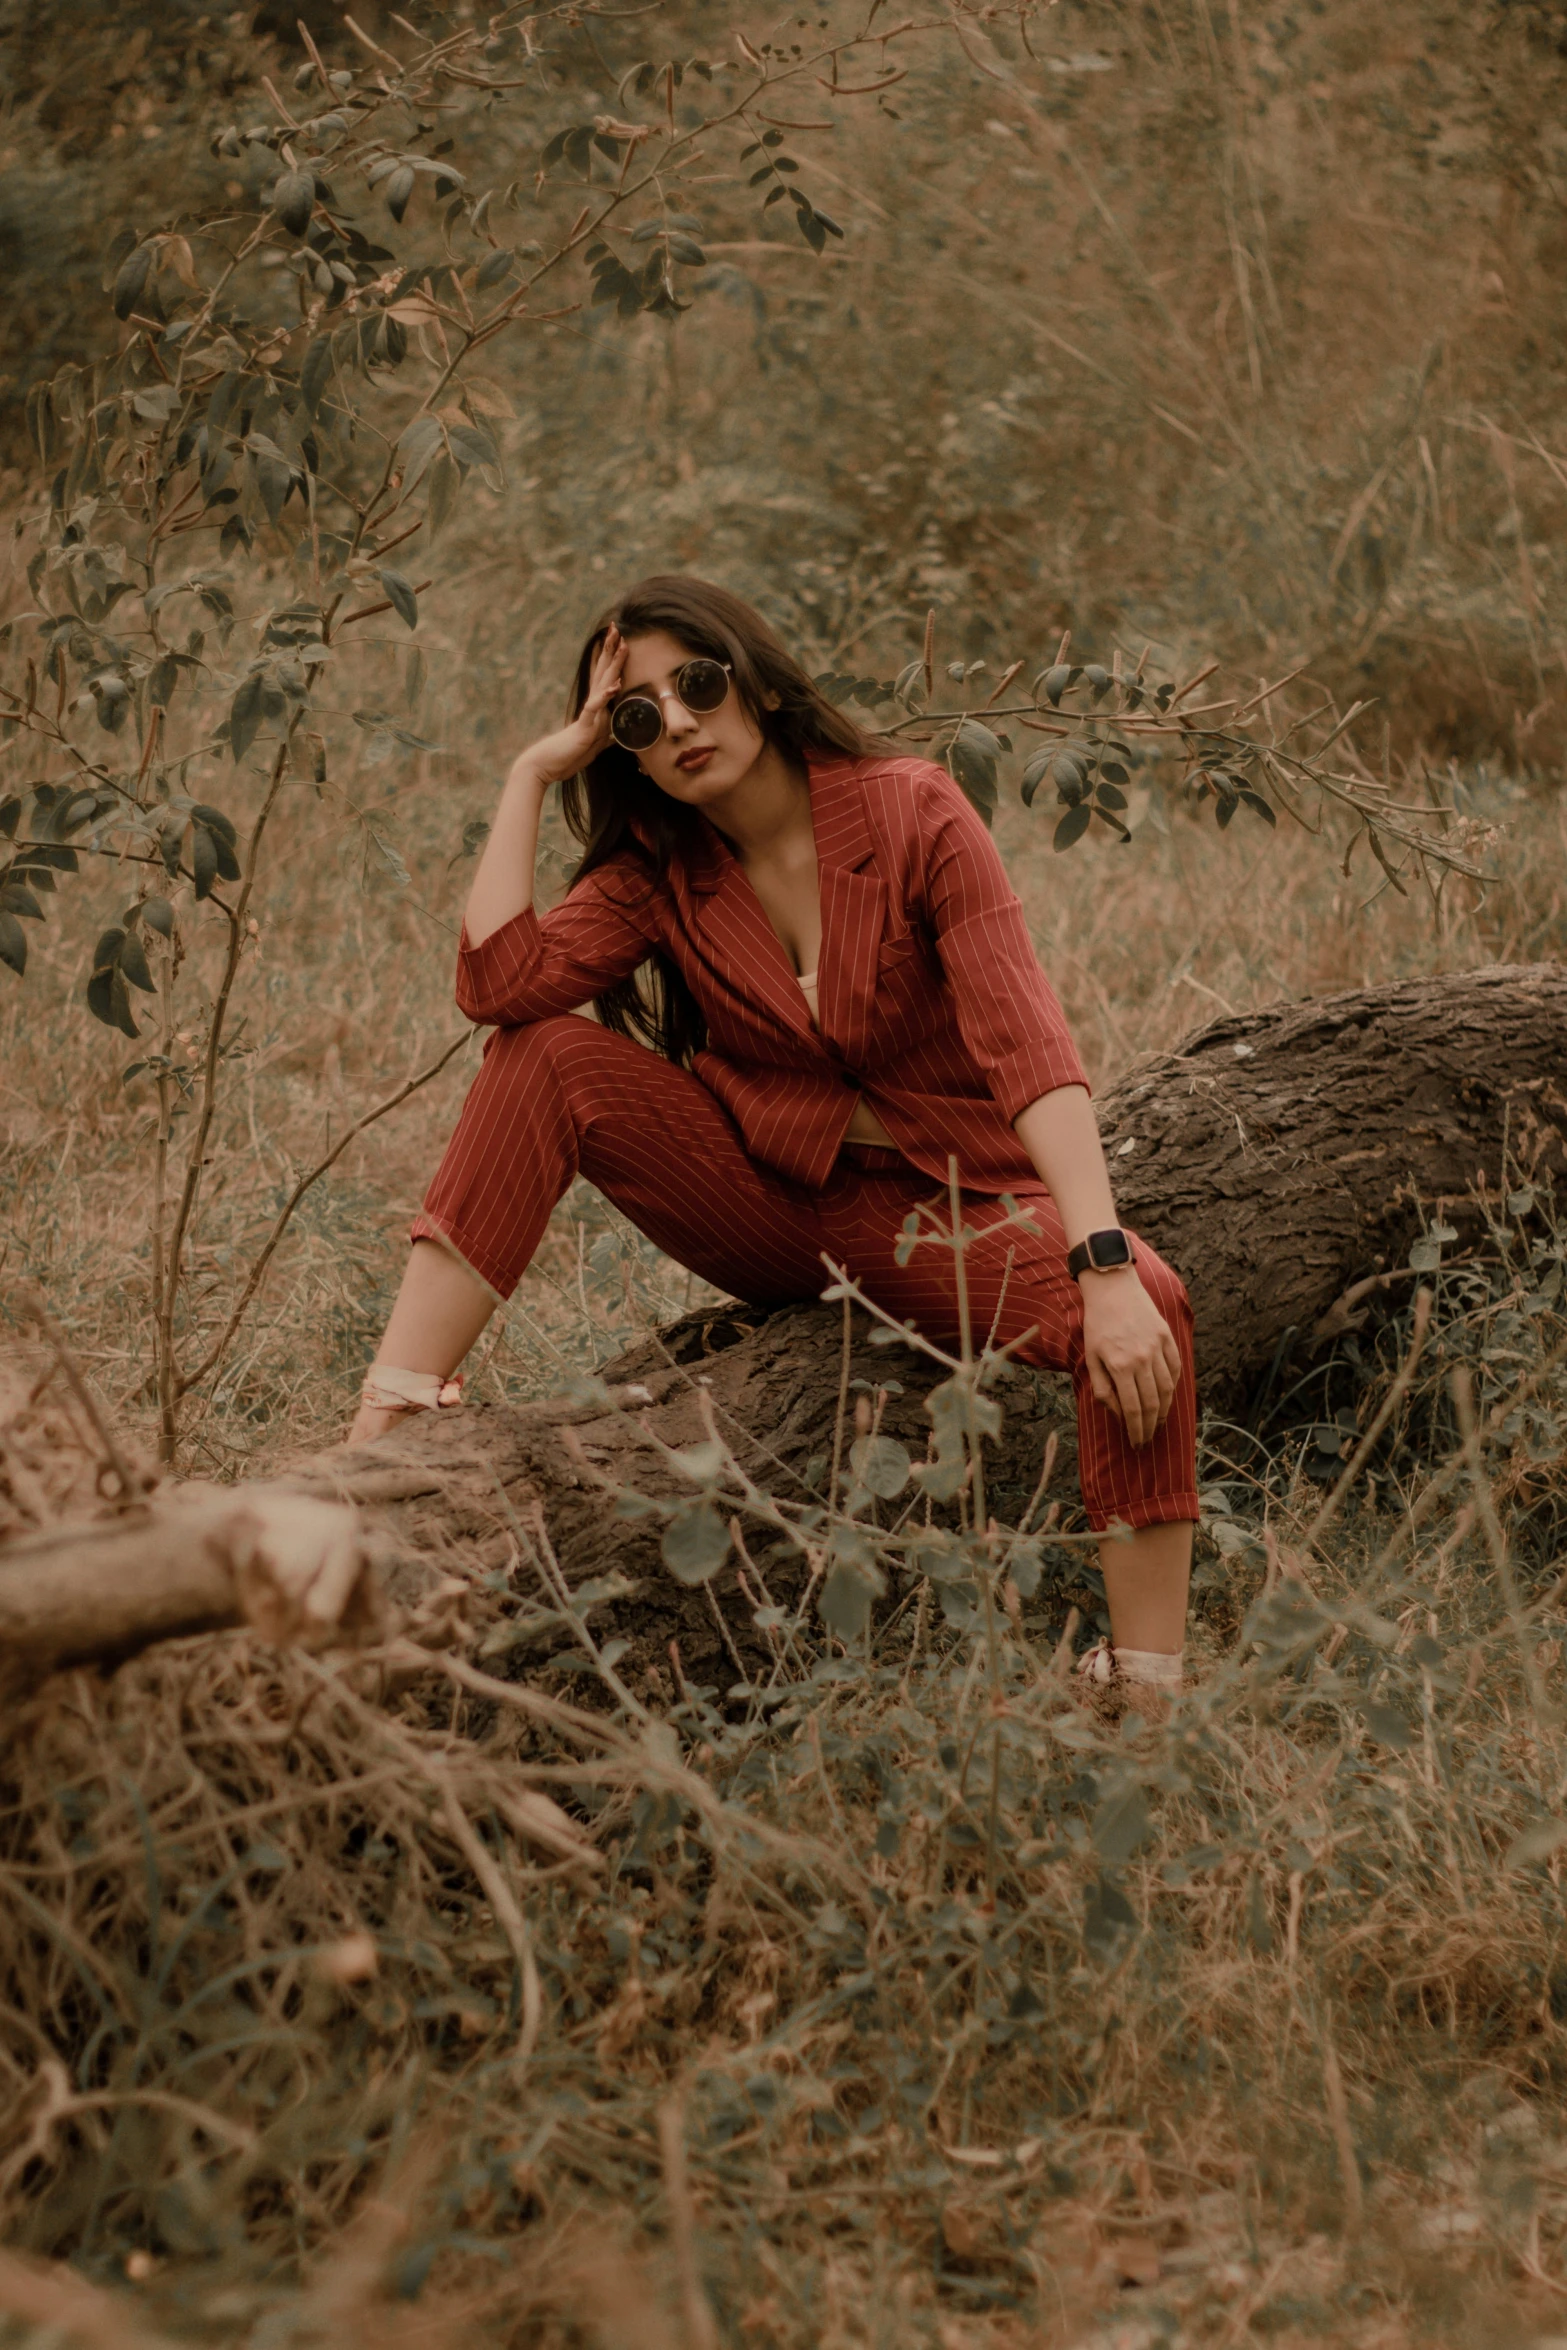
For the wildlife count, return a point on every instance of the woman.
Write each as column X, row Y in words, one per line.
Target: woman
column 819, row 941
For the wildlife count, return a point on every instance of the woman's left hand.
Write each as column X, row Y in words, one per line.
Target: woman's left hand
column 1132, row 1358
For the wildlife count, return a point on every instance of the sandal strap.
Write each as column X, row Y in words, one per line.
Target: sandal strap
column 387, row 1388
column 1104, row 1663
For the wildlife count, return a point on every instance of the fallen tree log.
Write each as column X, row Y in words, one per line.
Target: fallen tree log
column 1281, row 1159
column 198, row 1559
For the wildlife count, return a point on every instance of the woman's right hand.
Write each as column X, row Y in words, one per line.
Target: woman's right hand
column 555, row 756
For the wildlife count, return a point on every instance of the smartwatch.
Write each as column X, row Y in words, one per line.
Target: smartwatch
column 1102, row 1251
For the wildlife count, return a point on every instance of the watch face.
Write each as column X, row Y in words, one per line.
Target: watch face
column 1109, row 1248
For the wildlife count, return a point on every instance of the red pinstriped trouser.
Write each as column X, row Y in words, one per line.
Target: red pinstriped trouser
column 562, row 1097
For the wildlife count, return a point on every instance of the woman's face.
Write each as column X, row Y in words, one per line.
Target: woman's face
column 700, row 756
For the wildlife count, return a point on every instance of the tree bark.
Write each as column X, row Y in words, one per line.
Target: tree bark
column 1280, row 1159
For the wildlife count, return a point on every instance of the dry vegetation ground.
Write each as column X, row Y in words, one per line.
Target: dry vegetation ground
column 922, row 2008
column 1041, row 2035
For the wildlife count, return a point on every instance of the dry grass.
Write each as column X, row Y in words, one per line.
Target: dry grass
column 919, row 2005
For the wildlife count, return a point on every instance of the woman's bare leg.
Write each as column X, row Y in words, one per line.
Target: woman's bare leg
column 441, row 1309
column 1147, row 1575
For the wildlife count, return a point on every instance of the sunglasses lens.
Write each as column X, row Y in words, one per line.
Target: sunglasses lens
column 636, row 723
column 702, row 685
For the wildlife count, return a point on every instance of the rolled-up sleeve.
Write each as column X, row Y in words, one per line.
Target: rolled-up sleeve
column 1008, row 1013
column 535, row 966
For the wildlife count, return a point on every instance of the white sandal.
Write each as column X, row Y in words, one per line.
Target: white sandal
column 1135, row 1667
column 388, row 1389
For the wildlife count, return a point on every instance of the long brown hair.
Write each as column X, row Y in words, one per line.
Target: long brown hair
column 613, row 809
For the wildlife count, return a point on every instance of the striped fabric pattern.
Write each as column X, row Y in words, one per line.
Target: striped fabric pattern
column 931, row 1001
column 561, row 1097
column 931, row 1008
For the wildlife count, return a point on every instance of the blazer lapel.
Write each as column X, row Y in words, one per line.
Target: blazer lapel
column 854, row 906
column 740, row 942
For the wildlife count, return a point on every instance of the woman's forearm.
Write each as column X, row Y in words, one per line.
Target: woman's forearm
column 1061, row 1135
column 503, row 885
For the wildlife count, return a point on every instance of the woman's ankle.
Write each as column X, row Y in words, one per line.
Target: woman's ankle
column 368, row 1423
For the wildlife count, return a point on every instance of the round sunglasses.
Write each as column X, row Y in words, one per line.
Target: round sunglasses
column 701, row 685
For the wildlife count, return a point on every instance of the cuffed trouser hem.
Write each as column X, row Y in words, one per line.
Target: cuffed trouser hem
column 1159, row 1509
column 424, row 1227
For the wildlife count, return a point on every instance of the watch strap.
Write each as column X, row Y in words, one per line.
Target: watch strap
column 1088, row 1253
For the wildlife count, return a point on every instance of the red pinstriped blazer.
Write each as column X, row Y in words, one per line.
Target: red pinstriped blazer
column 932, row 1003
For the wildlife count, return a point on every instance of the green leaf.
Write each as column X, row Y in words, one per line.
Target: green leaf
column 1106, row 1914
column 444, row 480
column 215, row 821
column 245, row 714
column 274, row 478
column 158, row 915
column 113, row 698
column 1537, row 1842
column 1121, row 1824
column 500, row 264
column 133, row 962
column 416, row 448
column 122, row 242
column 695, row 1543
column 15, row 898
column 13, row 943
column 400, row 589
column 130, row 280
column 398, row 188
column 848, row 1595
column 1387, row 1724
column 971, row 760
column 881, row 1465
column 474, row 444
column 1034, row 774
column 315, row 373
column 162, row 679
column 1053, row 682
column 203, row 859
column 1072, row 827
column 1026, row 1567
column 293, row 200
column 108, row 1000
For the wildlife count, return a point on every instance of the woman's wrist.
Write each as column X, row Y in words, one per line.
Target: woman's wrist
column 526, row 778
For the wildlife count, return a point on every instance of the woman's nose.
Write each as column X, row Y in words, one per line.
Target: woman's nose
column 677, row 718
